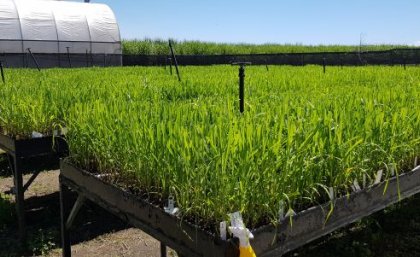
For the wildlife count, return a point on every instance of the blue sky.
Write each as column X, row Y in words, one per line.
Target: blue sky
column 263, row 21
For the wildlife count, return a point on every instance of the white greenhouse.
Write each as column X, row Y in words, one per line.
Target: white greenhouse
column 51, row 33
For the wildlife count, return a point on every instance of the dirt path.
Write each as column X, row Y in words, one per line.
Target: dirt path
column 128, row 242
column 46, row 183
column 91, row 236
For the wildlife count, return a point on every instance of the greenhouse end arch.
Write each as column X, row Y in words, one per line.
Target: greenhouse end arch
column 58, row 34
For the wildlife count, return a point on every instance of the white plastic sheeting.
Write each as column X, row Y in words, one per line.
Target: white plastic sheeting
column 55, row 26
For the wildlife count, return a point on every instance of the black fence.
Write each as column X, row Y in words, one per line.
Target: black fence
column 389, row 57
column 28, row 60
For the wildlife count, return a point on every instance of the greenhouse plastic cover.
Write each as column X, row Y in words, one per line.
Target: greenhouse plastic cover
column 57, row 27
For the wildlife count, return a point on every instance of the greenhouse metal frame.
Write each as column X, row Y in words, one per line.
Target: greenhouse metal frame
column 58, row 34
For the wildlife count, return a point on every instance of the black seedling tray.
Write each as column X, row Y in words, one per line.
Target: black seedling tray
column 190, row 240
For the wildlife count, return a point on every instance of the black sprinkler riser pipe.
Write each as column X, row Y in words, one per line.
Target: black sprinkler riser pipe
column 241, row 88
column 241, row 84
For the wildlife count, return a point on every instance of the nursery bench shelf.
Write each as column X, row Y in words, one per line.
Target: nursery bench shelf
column 190, row 240
column 20, row 150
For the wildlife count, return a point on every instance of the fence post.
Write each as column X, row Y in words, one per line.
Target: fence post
column 68, row 56
column 91, row 58
column 59, row 57
column 87, row 58
column 175, row 61
column 2, row 73
column 34, row 59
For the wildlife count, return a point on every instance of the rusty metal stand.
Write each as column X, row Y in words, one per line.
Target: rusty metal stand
column 185, row 238
column 188, row 239
column 19, row 150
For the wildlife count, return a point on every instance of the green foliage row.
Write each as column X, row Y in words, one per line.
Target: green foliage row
column 38, row 101
column 303, row 131
column 160, row 47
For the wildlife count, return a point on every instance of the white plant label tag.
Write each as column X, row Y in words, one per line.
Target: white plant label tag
column 223, row 230
column 64, row 131
column 290, row 213
column 171, row 206
column 331, row 193
column 236, row 220
column 378, row 177
column 356, row 186
column 364, row 180
column 36, row 134
column 171, row 203
column 281, row 210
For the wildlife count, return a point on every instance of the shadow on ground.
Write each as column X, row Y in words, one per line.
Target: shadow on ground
column 4, row 165
column 43, row 227
column 393, row 232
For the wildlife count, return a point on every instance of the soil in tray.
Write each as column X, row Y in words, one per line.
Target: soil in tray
column 152, row 197
column 157, row 199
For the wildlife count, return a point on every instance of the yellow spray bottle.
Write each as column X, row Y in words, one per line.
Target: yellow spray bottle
column 244, row 235
column 239, row 230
